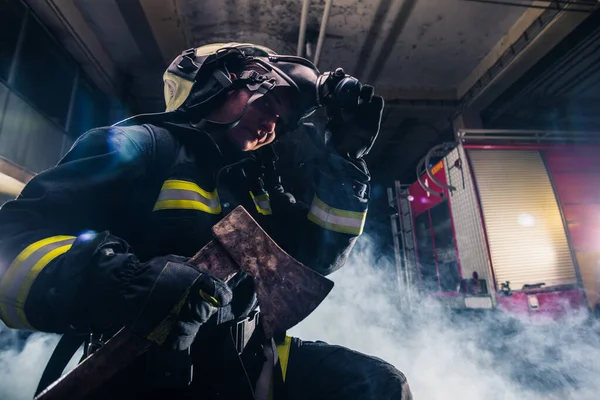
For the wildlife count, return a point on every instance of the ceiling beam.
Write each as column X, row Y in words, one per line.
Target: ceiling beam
column 404, row 13
column 139, row 27
column 166, row 26
column 507, row 40
column 369, row 44
column 528, row 40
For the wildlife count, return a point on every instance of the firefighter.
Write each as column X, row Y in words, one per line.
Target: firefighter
column 102, row 240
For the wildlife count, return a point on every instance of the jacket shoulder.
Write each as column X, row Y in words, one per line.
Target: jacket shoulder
column 130, row 144
column 116, row 138
column 148, row 137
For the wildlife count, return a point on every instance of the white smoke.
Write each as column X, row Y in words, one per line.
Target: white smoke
column 454, row 357
column 443, row 357
column 22, row 362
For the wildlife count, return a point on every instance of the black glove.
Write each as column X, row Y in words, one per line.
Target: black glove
column 353, row 130
column 198, row 303
column 165, row 300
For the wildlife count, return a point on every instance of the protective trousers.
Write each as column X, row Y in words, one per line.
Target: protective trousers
column 303, row 371
column 320, row 371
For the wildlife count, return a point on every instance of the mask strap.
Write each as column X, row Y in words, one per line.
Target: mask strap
column 213, row 126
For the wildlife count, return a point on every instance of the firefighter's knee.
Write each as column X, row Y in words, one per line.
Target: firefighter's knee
column 391, row 383
column 401, row 385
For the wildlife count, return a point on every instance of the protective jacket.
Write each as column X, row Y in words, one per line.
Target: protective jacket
column 154, row 190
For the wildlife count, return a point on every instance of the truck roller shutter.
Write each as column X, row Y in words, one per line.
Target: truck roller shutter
column 525, row 231
column 468, row 228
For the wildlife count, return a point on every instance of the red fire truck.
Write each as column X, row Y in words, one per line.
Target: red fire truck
column 505, row 220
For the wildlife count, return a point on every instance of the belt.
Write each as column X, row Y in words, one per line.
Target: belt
column 168, row 368
column 242, row 331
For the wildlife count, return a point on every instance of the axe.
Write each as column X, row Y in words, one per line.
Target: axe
column 287, row 292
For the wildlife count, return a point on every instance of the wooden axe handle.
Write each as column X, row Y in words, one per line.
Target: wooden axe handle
column 123, row 348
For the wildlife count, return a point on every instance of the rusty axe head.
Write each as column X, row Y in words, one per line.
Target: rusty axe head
column 287, row 290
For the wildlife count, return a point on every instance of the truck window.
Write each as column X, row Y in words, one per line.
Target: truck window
column 445, row 249
column 425, row 251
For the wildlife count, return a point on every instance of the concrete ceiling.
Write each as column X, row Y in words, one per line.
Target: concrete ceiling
column 424, row 48
column 431, row 59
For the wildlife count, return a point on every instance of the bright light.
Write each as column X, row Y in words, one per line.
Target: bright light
column 526, row 220
column 10, row 185
column 87, row 235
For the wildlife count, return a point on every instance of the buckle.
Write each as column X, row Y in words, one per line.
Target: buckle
column 243, row 330
column 253, row 76
column 191, row 52
column 266, row 86
column 95, row 342
column 187, row 63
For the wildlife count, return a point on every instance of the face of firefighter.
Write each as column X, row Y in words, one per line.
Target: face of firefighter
column 257, row 124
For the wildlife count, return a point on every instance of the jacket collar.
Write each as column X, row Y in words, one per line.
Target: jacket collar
column 215, row 148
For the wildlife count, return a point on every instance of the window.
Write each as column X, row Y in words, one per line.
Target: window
column 438, row 261
column 445, row 250
column 425, row 251
column 45, row 73
column 11, row 18
column 90, row 109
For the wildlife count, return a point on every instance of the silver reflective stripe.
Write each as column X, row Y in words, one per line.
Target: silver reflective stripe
column 19, row 278
column 262, row 203
column 337, row 220
column 334, row 219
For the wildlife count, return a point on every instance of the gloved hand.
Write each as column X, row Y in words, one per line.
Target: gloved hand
column 165, row 299
column 198, row 303
column 353, row 130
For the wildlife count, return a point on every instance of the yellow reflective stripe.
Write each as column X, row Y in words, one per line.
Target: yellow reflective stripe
column 178, row 194
column 28, row 251
column 283, row 351
column 262, row 202
column 191, row 186
column 21, row 274
column 186, row 205
column 35, row 271
column 334, row 219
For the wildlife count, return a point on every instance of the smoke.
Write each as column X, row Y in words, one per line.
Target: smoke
column 450, row 356
column 22, row 360
column 444, row 356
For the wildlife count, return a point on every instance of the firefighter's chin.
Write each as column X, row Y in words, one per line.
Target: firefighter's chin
column 247, row 145
column 251, row 144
